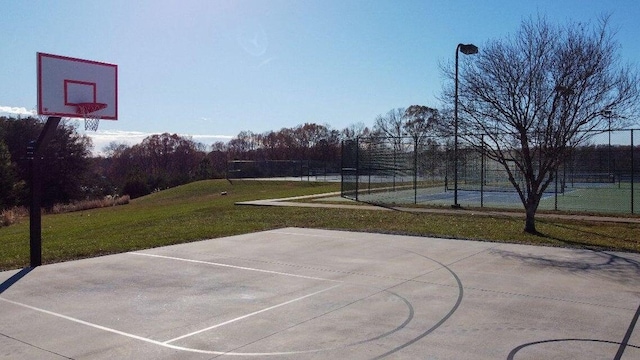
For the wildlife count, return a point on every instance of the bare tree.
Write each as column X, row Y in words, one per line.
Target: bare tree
column 391, row 125
column 355, row 130
column 419, row 121
column 539, row 94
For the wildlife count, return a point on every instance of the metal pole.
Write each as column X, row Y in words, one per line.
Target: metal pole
column 482, row 171
column 632, row 171
column 455, row 136
column 415, row 171
column 342, row 168
column 369, row 165
column 555, row 202
column 609, row 150
column 34, row 152
column 393, row 169
column 447, row 158
column 357, row 166
column 466, row 49
column 35, row 215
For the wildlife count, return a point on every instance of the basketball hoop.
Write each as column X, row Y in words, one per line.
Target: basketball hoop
column 87, row 110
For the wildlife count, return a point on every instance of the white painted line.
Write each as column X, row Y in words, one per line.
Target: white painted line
column 234, row 267
column 100, row 327
column 249, row 315
column 306, row 234
column 159, row 343
column 325, row 236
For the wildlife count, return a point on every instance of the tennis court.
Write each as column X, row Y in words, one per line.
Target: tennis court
column 297, row 293
column 598, row 176
column 597, row 197
column 440, row 197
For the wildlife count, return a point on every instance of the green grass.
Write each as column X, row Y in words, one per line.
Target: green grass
column 199, row 211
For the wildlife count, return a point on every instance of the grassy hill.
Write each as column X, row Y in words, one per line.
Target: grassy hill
column 199, row 211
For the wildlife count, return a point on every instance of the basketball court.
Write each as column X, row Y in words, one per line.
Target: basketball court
column 316, row 294
column 306, row 294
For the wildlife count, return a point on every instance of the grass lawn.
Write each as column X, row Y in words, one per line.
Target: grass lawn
column 199, row 211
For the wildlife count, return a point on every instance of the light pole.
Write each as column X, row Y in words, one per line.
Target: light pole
column 467, row 49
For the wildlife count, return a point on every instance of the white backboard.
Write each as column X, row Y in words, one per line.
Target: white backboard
column 64, row 82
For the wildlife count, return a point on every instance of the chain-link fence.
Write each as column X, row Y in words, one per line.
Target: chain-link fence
column 601, row 176
column 304, row 169
column 392, row 170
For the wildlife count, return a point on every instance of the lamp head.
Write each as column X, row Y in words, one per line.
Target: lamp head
column 468, row 49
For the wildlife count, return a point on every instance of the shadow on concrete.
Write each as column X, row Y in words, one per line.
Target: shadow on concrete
column 615, row 267
column 517, row 349
column 14, row 279
column 600, row 263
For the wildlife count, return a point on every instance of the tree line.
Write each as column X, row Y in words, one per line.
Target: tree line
column 67, row 170
column 165, row 160
column 71, row 173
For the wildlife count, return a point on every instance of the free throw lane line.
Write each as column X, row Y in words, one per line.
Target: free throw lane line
column 234, row 267
column 250, row 314
column 167, row 344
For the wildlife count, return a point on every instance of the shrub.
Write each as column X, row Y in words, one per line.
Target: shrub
column 11, row 216
column 91, row 204
column 136, row 188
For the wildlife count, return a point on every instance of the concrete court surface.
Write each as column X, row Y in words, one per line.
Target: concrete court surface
column 317, row 294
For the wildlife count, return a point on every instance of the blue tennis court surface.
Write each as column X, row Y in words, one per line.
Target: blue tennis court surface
column 591, row 197
column 439, row 196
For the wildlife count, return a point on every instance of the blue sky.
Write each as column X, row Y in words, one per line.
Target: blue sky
column 213, row 68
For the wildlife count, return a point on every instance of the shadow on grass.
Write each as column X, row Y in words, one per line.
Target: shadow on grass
column 567, row 227
column 384, row 206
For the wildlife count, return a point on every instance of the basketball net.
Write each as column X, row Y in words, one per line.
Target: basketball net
column 88, row 112
column 91, row 123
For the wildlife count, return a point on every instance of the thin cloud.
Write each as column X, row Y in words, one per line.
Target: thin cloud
column 265, row 62
column 102, row 138
column 14, row 110
column 210, row 138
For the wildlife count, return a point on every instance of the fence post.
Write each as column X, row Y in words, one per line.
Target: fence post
column 393, row 169
column 447, row 160
column 342, row 167
column 632, row 171
column 357, row 167
column 369, row 168
column 555, row 204
column 482, row 170
column 415, row 171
